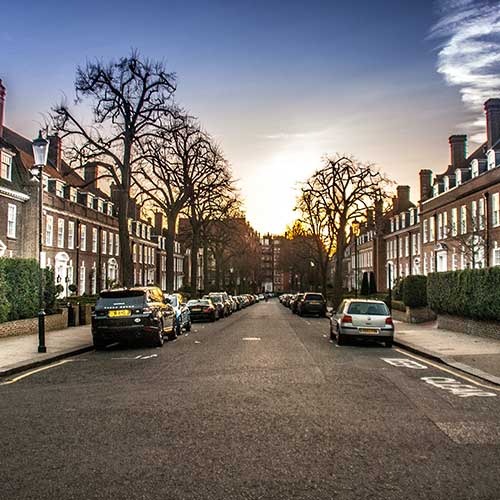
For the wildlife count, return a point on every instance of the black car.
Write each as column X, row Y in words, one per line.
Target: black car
column 202, row 310
column 126, row 315
column 312, row 303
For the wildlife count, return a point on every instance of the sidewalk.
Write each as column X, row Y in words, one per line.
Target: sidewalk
column 21, row 352
column 477, row 356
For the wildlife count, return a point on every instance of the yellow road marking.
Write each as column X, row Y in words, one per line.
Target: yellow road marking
column 442, row 368
column 32, row 372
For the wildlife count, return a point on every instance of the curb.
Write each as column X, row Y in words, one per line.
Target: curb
column 475, row 372
column 47, row 359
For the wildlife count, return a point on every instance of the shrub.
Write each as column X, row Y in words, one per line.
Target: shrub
column 4, row 303
column 397, row 291
column 373, row 283
column 21, row 277
column 471, row 293
column 50, row 291
column 414, row 290
column 398, row 305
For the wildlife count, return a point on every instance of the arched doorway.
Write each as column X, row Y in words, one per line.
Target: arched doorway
column 61, row 262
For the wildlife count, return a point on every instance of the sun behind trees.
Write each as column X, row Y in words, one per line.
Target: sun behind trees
column 331, row 202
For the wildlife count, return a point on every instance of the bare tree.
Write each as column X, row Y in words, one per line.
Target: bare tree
column 131, row 99
column 331, row 200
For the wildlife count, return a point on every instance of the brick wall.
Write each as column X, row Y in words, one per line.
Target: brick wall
column 489, row 329
column 30, row 326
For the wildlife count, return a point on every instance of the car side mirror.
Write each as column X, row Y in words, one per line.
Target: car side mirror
column 166, row 300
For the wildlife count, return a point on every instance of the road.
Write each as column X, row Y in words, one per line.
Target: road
column 260, row 405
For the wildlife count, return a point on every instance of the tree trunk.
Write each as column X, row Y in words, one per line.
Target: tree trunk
column 217, row 271
column 170, row 243
column 205, row 268
column 127, row 266
column 195, row 246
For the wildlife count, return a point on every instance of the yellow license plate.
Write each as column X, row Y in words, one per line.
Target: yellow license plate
column 368, row 330
column 119, row 313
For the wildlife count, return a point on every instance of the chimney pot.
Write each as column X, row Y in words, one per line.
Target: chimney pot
column 403, row 198
column 425, row 184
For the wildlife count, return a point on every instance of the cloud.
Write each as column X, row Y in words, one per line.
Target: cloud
column 298, row 135
column 469, row 54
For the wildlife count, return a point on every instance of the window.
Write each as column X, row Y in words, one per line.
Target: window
column 11, row 220
column 407, row 246
column 83, row 237
column 94, row 239
column 432, row 229
column 110, row 245
column 6, row 167
column 440, row 226
column 140, row 254
column 134, row 252
column 82, row 276
column 463, row 219
column 426, row 230
column 445, row 225
column 473, row 210
column 49, row 230
column 496, row 255
column 73, row 195
column 104, row 238
column 400, row 247
column 60, row 189
column 117, row 244
column 71, row 235
column 454, row 223
column 480, row 209
column 60, row 233
column 495, row 209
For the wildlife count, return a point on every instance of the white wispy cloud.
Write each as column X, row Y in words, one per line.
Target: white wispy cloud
column 469, row 54
column 299, row 135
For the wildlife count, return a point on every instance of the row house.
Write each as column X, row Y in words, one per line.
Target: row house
column 460, row 208
column 80, row 235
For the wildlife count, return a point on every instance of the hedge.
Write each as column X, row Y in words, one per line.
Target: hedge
column 471, row 293
column 19, row 285
column 414, row 291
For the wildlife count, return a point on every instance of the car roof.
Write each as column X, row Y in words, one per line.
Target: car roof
column 367, row 301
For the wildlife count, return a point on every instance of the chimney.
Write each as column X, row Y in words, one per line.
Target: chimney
column 90, row 173
column 458, row 152
column 369, row 218
column 2, row 106
column 55, row 151
column 425, row 184
column 492, row 108
column 158, row 222
column 403, row 198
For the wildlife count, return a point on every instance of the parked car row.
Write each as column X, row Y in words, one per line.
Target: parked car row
column 148, row 315
column 354, row 319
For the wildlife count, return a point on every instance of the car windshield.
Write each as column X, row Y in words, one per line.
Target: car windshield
column 198, row 303
column 215, row 298
column 313, row 296
column 120, row 298
column 173, row 300
column 368, row 308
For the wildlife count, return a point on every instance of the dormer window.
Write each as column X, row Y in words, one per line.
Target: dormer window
column 403, row 220
column 100, row 205
column 110, row 209
column 143, row 231
column 90, row 200
column 446, row 183
column 6, row 166
column 60, row 189
column 397, row 223
column 392, row 225
column 73, row 195
column 493, row 159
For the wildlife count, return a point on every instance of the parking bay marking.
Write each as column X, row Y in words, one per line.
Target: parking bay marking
column 251, row 338
column 405, row 363
column 141, row 356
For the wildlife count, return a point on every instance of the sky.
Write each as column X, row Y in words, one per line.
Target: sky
column 279, row 84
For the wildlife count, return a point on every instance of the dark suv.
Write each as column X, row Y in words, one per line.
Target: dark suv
column 312, row 303
column 132, row 314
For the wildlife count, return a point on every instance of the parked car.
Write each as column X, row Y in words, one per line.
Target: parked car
column 294, row 303
column 362, row 319
column 218, row 302
column 312, row 303
column 222, row 297
column 203, row 310
column 132, row 314
column 182, row 315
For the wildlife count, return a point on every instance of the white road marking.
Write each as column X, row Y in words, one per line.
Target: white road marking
column 251, row 338
column 447, row 370
column 32, row 372
column 197, row 342
column 457, row 388
column 405, row 363
column 141, row 356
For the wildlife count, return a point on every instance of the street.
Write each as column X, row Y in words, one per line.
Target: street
column 261, row 405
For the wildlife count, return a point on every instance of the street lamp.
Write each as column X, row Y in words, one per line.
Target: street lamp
column 40, row 153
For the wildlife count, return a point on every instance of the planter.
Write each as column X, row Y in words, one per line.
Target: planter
column 414, row 315
column 29, row 326
column 488, row 329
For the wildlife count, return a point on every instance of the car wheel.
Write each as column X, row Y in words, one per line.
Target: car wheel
column 188, row 326
column 158, row 341
column 388, row 343
column 213, row 318
column 173, row 334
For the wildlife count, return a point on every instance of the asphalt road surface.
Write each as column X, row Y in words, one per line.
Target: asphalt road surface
column 260, row 405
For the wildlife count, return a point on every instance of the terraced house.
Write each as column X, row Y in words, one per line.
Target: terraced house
column 79, row 225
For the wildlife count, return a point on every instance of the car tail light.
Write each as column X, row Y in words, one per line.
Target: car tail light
column 388, row 321
column 207, row 309
column 147, row 310
column 346, row 319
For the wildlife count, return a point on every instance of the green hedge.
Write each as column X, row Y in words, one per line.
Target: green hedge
column 19, row 285
column 398, row 305
column 471, row 293
column 414, row 291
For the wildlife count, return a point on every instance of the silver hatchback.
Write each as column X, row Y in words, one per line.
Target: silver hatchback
column 362, row 319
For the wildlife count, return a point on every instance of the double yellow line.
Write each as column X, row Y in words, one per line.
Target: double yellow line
column 32, row 372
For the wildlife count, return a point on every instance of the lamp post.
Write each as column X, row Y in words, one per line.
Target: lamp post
column 40, row 153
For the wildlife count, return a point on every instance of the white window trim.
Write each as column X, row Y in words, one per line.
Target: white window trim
column 11, row 220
